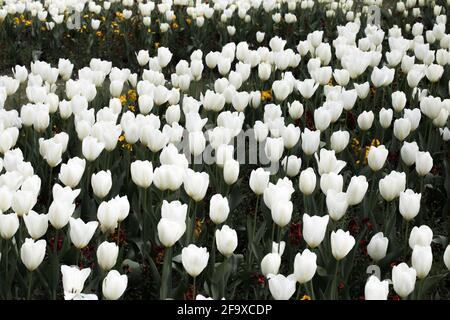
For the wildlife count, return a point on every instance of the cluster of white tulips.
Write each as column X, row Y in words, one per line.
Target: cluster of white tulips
column 267, row 168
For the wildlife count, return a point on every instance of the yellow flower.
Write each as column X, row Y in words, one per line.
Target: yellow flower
column 157, row 44
column 120, row 15
column 330, row 83
column 174, row 26
column 123, row 99
column 132, row 95
column 198, row 226
column 375, row 142
column 127, row 146
column 188, row 21
column 132, row 108
column 99, row 34
column 305, row 297
column 266, row 95
column 121, row 138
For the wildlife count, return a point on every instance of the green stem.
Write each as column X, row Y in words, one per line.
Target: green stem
column 166, row 280
column 30, row 282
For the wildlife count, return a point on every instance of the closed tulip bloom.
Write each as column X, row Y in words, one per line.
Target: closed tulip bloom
column 59, row 213
column 194, row 259
column 107, row 253
column 336, row 204
column 424, row 163
column 274, row 149
column 101, row 183
column 259, row 180
column 408, row 152
column 261, row 131
column 420, row 236
column 81, row 233
column 339, row 140
column 226, row 240
column 170, row 231
column 322, row 118
column 73, row 280
column 281, row 287
column 331, row 181
column 114, row 285
column 314, row 229
column 341, row 244
column 307, row 87
column 377, row 247
column 108, row 216
column 409, row 204
column 71, row 172
column 377, row 157
column 447, row 257
column 290, row 135
column 36, row 224
column 281, row 89
column 142, row 173
column 307, row 181
column 270, row 264
column 328, row 162
column 197, row 143
column 305, row 266
column 392, row 185
column 365, row 120
column 434, row 72
column 282, row 212
column 386, row 117
column 356, row 190
column 398, row 101
column 291, row 165
column 32, row 253
column 295, row 110
column 92, row 148
column 23, row 202
column 362, row 89
column 422, row 259
column 9, row 223
column 376, row 289
column 404, row 279
column 196, row 184
column 231, row 171
column 310, row 141
column 6, row 197
column 218, row 209
column 402, row 128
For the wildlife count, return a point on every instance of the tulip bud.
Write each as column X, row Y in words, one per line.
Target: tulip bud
column 142, row 173
column 259, row 180
column 314, row 229
column 305, row 266
column 218, row 209
column 422, row 259
column 365, row 120
column 420, row 236
column 402, row 128
column 71, row 172
column 9, row 223
column 424, row 163
column 231, row 171
column 339, row 140
column 307, row 181
column 398, row 100
column 385, row 118
column 447, row 257
column 341, row 244
column 404, row 279
column 282, row 212
column 92, row 148
column 377, row 247
column 336, row 204
column 226, row 240
column 81, row 233
column 107, row 253
column 281, row 287
column 101, row 183
column 376, row 289
column 194, row 259
column 377, row 157
column 196, row 184
column 291, row 165
column 270, row 264
column 409, row 204
column 114, row 285
column 32, row 253
column 408, row 152
column 36, row 224
column 59, row 213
